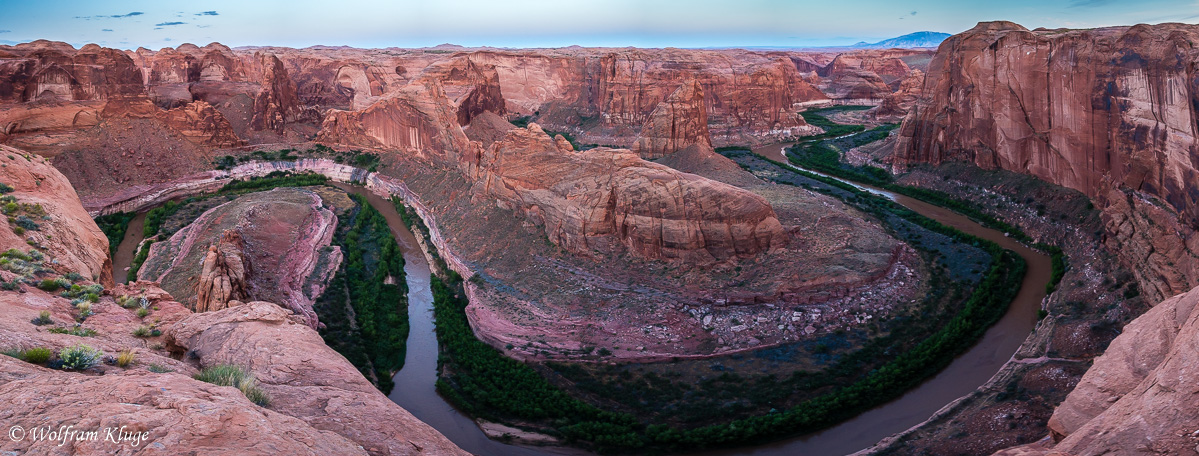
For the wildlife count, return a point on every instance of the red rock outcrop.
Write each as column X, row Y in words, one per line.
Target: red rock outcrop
column 1139, row 395
column 594, row 199
column 1093, row 110
column 305, row 378
column 44, row 70
column 70, row 237
column 262, row 245
column 276, row 104
column 223, row 274
column 202, row 124
column 677, row 123
column 898, row 104
column 418, row 119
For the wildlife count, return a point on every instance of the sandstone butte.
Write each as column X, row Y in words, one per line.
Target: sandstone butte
column 1108, row 112
column 321, row 404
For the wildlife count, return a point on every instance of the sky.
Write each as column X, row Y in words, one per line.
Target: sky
column 130, row 24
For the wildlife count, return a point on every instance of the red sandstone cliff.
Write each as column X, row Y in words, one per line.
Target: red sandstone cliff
column 677, row 123
column 1109, row 112
column 277, row 103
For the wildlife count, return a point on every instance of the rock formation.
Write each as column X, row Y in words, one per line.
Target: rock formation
column 277, row 103
column 1093, row 110
column 223, row 276
column 1138, row 396
column 897, row 105
column 305, row 378
column 72, row 240
column 202, row 124
column 267, row 245
column 677, row 123
column 591, row 200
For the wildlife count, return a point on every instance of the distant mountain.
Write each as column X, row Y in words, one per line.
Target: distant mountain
column 911, row 40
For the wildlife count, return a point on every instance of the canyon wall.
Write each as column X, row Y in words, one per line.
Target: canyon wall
column 1104, row 111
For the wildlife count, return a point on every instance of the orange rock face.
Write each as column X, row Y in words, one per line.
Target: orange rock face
column 587, row 201
column 306, row 379
column 223, row 275
column 71, row 238
column 677, row 123
column 1139, row 394
column 277, row 103
column 1093, row 110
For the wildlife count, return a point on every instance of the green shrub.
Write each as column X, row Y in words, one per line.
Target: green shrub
column 74, row 331
column 141, row 331
column 43, row 318
column 49, row 285
column 142, row 312
column 39, row 355
column 80, row 357
column 159, row 369
column 230, row 375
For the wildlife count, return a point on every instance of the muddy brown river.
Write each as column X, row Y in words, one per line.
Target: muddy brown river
column 415, row 390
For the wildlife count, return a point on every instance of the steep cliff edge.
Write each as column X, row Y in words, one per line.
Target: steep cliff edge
column 1138, row 397
column 677, row 123
column 46, row 212
column 1094, row 110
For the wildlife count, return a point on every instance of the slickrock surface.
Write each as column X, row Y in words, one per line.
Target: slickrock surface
column 71, row 239
column 1093, row 110
column 305, row 378
column 1138, row 397
column 267, row 245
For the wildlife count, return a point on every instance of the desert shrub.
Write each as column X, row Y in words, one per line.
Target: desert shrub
column 141, row 331
column 125, row 358
column 142, row 312
column 85, row 310
column 43, row 318
column 235, row 376
column 80, row 357
column 27, row 223
column 159, row 369
column 74, row 331
column 38, row 355
column 5, row 188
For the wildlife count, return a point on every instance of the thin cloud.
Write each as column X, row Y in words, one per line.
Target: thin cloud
column 1088, row 3
column 167, row 24
column 208, row 13
column 135, row 13
column 914, row 13
column 105, row 30
column 5, row 31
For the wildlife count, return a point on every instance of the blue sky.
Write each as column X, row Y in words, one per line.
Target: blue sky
column 545, row 23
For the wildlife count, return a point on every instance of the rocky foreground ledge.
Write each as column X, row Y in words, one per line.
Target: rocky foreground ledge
column 319, row 404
